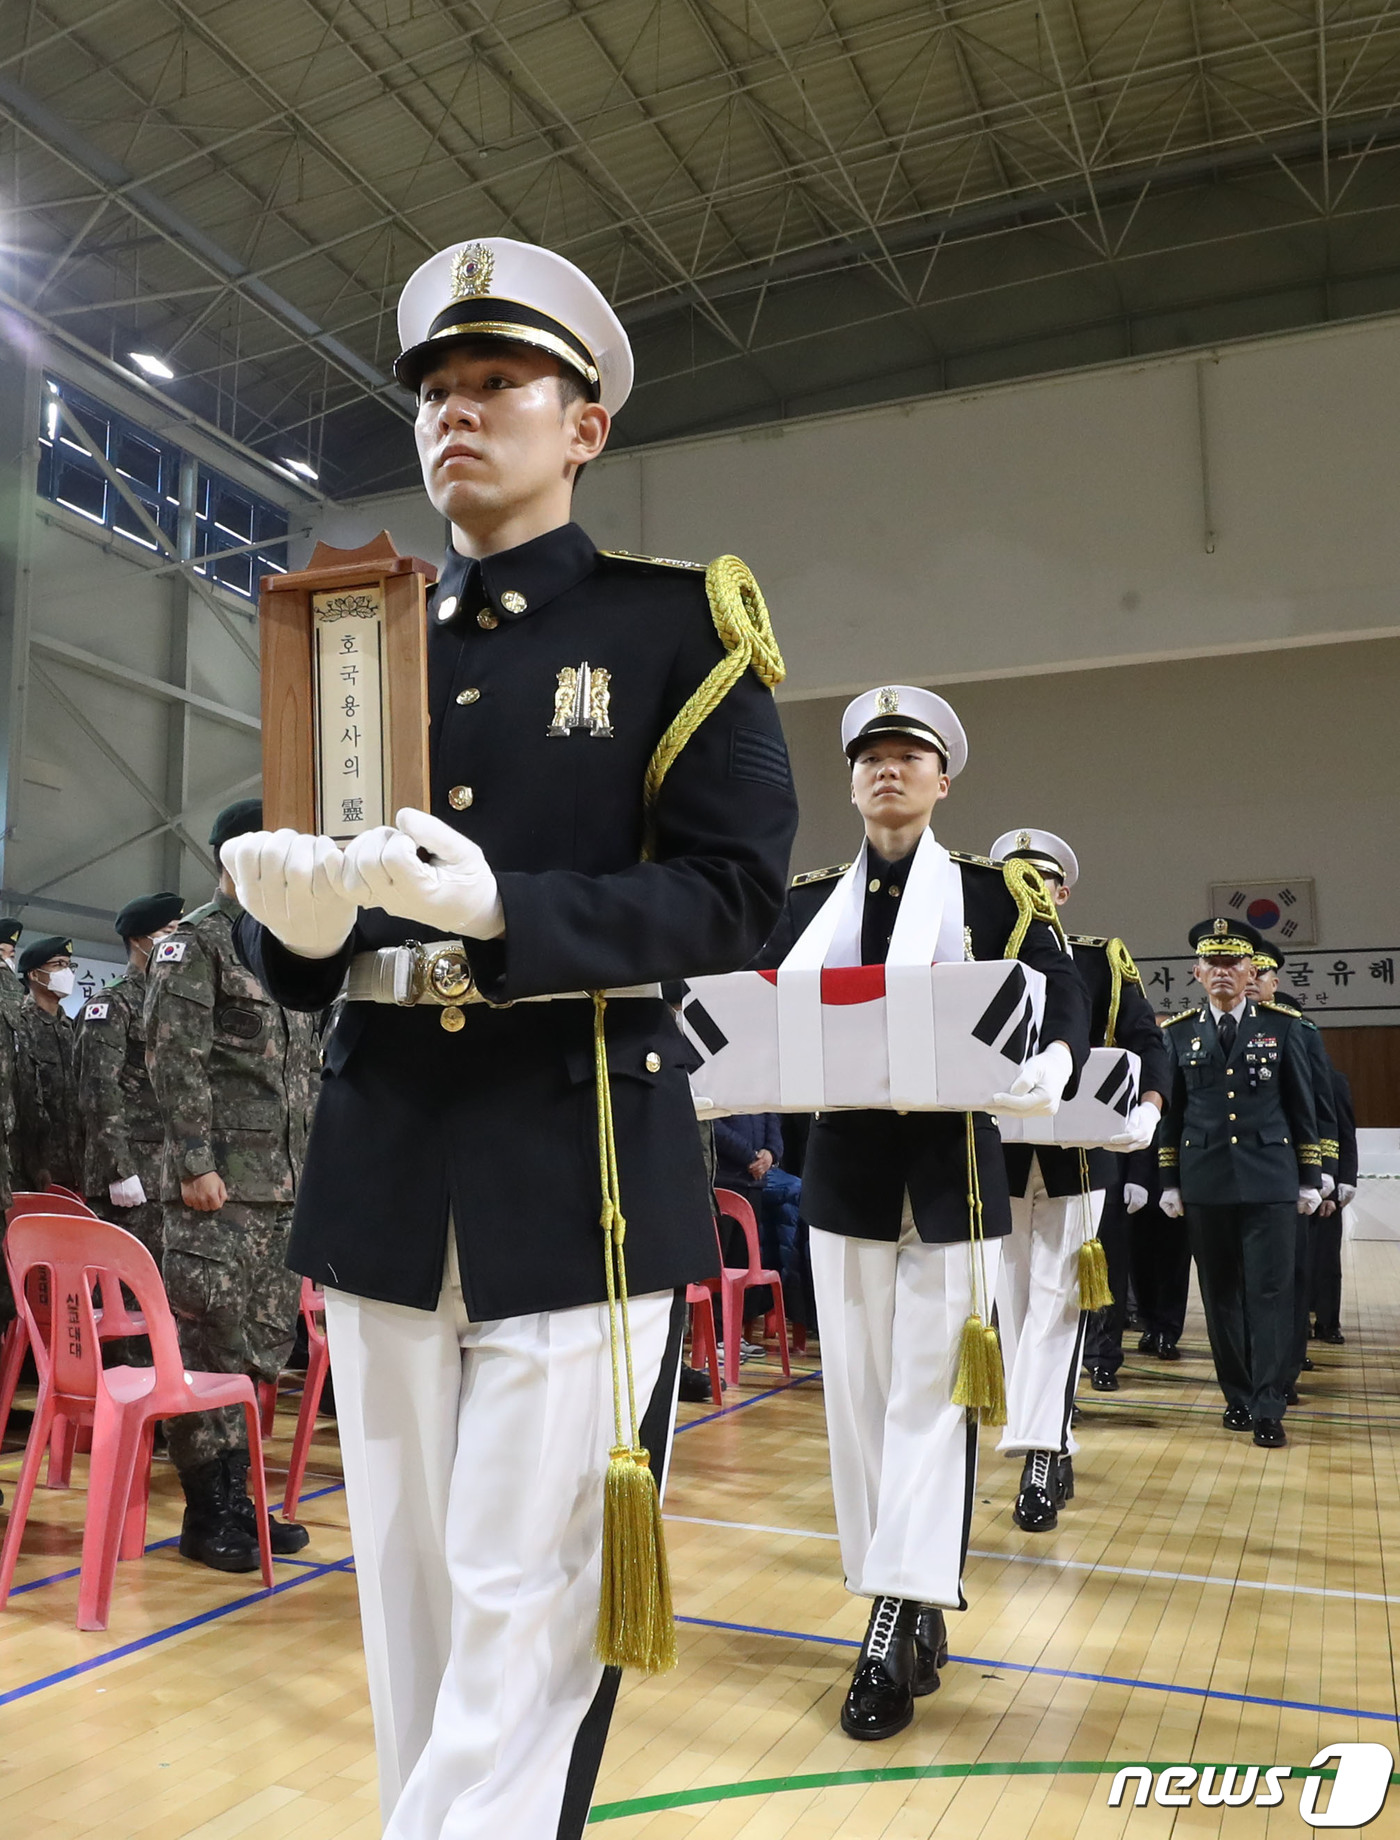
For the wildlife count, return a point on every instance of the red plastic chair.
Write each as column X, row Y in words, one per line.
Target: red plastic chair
column 313, row 1311
column 14, row 1344
column 735, row 1280
column 703, row 1345
column 57, row 1188
column 122, row 1404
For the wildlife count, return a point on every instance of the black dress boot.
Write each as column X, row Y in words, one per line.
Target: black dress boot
column 211, row 1532
column 285, row 1537
column 930, row 1649
column 1036, row 1510
column 880, row 1700
column 1064, row 1480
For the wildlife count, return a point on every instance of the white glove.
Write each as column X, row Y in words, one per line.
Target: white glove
column 1328, row 1186
column 1309, row 1200
column 454, row 891
column 1134, row 1197
column 1171, row 1203
column 128, row 1193
column 292, row 883
column 1139, row 1128
column 1039, row 1084
column 1346, row 1193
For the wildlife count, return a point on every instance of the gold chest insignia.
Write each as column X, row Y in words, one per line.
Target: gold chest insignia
column 582, row 699
column 472, row 268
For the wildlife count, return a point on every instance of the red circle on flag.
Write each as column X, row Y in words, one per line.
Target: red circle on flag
column 1263, row 914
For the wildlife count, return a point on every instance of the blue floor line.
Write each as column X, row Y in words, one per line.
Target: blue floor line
column 37, row 1584
column 1025, row 1667
column 752, row 1400
column 164, row 1635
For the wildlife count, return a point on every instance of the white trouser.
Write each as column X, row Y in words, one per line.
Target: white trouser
column 474, row 1458
column 903, row 1456
column 1038, row 1313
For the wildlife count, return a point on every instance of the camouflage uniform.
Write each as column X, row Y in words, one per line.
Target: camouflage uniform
column 49, row 1127
column 235, row 1077
column 11, row 1000
column 125, row 1135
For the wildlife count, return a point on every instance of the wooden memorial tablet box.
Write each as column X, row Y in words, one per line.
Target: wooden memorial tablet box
column 345, row 690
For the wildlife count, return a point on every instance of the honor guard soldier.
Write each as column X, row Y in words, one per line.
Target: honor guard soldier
column 1325, row 1275
column 1239, row 1155
column 1058, row 1202
column 124, row 1132
column 234, row 1077
column 49, row 1128
column 1268, row 962
column 611, row 807
column 896, row 1241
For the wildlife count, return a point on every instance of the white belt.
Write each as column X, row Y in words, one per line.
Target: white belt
column 439, row 973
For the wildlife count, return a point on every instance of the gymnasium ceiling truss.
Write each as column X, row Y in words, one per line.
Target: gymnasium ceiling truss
column 797, row 204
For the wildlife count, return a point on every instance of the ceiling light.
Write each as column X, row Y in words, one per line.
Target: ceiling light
column 303, row 467
column 152, row 365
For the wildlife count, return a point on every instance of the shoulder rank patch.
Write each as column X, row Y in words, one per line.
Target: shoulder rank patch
column 660, row 562
column 1187, row 1015
column 981, row 862
column 171, row 951
column 96, row 1012
column 819, row 875
column 1086, row 939
column 1283, row 1009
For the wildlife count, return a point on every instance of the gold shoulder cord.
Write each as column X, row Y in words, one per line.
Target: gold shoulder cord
column 636, row 1627
column 1032, row 898
column 1120, row 966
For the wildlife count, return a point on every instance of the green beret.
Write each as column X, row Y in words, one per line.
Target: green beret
column 10, row 931
column 146, row 914
column 234, row 821
column 42, row 950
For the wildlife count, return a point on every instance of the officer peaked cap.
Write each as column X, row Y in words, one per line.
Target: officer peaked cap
column 1269, row 958
column 147, row 914
column 40, row 951
column 1225, row 937
column 497, row 288
column 1043, row 849
column 235, row 821
column 904, row 709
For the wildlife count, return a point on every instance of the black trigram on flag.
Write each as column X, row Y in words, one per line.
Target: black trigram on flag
column 1008, row 1022
column 702, row 1025
column 1117, row 1089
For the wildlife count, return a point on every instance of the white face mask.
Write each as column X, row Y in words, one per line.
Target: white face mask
column 60, row 983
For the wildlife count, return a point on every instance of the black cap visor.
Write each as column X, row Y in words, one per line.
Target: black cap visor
column 895, row 724
column 491, row 317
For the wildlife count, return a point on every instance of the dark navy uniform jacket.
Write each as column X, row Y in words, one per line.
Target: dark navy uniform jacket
column 497, row 1123
column 1326, row 1098
column 1242, row 1131
column 1135, row 1028
column 859, row 1164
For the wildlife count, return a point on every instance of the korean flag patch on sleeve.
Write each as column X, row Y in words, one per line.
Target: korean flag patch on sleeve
column 171, row 951
column 96, row 1012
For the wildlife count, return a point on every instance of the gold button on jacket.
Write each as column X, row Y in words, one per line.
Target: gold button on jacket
column 487, row 620
column 653, row 1062
column 460, row 797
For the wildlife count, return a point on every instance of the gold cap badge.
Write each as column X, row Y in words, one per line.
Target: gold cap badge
column 1023, row 840
column 1221, row 928
column 887, row 702
column 472, row 268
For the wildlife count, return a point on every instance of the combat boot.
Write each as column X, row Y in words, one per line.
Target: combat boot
column 287, row 1537
column 211, row 1532
column 880, row 1700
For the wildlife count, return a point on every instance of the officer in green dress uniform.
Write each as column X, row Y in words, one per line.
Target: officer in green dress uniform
column 1240, row 1157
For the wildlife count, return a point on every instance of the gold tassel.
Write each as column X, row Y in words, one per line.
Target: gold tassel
column 994, row 1412
column 1094, row 1293
column 636, row 1627
column 973, row 1386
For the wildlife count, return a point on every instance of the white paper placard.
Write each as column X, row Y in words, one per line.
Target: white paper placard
column 351, row 717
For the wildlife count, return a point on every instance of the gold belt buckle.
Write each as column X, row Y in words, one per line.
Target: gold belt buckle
column 442, row 973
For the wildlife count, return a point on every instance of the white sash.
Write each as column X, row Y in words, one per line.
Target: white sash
column 928, row 929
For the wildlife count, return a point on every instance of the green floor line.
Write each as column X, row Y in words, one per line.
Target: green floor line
column 918, row 1772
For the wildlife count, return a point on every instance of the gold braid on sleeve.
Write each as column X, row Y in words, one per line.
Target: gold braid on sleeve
column 1032, row 898
column 741, row 620
column 1120, row 967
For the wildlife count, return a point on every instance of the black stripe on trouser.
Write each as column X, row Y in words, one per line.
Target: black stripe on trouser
column 587, row 1756
column 969, row 1492
column 1072, row 1382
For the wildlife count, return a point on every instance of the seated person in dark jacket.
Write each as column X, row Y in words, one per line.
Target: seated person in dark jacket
column 746, row 1148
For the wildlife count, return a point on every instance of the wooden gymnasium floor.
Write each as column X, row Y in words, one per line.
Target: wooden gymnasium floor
column 1201, row 1601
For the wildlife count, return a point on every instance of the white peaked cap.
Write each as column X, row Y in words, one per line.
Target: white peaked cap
column 900, row 709
column 497, row 288
column 1049, row 853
